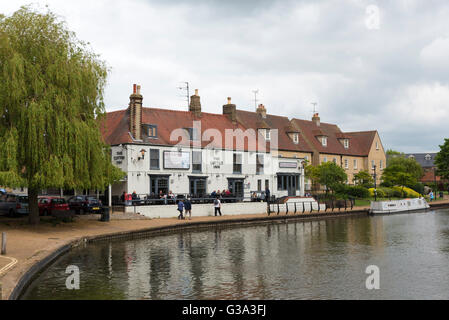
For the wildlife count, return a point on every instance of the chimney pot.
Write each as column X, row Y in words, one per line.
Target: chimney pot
column 138, row 89
column 196, row 92
column 134, row 88
column 229, row 100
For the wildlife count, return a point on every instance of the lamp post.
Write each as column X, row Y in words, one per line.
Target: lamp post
column 375, row 183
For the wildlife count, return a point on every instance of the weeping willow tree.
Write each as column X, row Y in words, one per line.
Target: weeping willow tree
column 51, row 103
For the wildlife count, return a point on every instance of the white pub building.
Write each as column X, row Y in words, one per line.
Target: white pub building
column 195, row 153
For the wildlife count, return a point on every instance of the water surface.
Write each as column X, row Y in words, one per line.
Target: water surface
column 298, row 260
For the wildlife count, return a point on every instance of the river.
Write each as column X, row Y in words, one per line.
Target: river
column 324, row 259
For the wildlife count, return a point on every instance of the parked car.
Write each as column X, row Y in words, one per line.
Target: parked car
column 49, row 204
column 85, row 204
column 13, row 204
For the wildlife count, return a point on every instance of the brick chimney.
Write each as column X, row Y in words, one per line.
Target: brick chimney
column 262, row 111
column 195, row 104
column 316, row 119
column 230, row 110
column 135, row 113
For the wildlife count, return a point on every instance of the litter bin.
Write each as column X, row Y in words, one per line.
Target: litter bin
column 441, row 194
column 105, row 214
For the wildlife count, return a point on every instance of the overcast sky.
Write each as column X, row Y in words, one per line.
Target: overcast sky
column 368, row 64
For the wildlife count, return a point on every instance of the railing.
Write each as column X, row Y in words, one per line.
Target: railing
column 145, row 200
column 303, row 206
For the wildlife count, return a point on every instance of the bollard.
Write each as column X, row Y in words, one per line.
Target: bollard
column 3, row 243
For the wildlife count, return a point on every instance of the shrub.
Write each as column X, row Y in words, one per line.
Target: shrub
column 419, row 187
column 357, row 191
column 409, row 193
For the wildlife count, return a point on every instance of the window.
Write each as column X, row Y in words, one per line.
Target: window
column 377, row 145
column 355, row 163
column 152, row 131
column 196, row 161
column 237, row 163
column 381, row 165
column 306, row 158
column 334, row 160
column 325, row 159
column 197, row 187
column 259, row 164
column 346, row 164
column 373, row 163
column 259, row 185
column 296, row 138
column 324, row 141
column 346, row 143
column 154, row 159
column 428, row 157
column 267, row 184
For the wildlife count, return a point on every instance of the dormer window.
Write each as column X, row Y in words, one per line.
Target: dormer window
column 324, row 141
column 428, row 157
column 346, row 143
column 411, row 156
column 152, row 131
column 296, row 138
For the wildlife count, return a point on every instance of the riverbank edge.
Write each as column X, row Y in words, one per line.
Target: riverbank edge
column 30, row 274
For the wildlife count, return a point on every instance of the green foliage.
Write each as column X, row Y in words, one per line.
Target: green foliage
column 329, row 174
column 346, row 191
column 402, row 171
column 393, row 154
column 363, row 178
column 51, row 96
column 442, row 160
column 407, row 192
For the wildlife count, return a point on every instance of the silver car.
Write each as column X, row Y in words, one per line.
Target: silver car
column 13, row 204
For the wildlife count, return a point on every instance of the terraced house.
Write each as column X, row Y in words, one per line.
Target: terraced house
column 195, row 152
column 353, row 151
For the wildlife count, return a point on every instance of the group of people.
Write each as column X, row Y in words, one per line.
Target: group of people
column 186, row 205
column 224, row 193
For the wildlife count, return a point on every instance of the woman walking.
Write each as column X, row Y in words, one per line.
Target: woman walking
column 188, row 208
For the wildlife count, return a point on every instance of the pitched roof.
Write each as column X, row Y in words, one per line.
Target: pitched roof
column 115, row 129
column 359, row 142
column 251, row 120
column 421, row 158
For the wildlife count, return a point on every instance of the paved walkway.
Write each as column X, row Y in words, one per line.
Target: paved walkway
column 30, row 244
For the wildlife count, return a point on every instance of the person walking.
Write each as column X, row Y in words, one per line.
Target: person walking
column 431, row 195
column 267, row 194
column 217, row 206
column 180, row 209
column 188, row 208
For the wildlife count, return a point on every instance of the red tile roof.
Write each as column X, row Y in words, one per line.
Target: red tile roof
column 282, row 124
column 359, row 142
column 115, row 129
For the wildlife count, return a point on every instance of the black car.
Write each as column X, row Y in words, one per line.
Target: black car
column 85, row 204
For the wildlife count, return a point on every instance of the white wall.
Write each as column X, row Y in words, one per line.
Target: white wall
column 200, row 210
column 217, row 177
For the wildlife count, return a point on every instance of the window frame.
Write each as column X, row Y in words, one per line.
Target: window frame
column 152, row 152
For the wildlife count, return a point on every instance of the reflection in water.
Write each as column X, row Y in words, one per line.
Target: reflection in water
column 299, row 260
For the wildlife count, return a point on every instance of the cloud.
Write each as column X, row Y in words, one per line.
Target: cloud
column 393, row 79
column 435, row 54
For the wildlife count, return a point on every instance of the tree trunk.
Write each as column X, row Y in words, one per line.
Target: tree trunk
column 33, row 217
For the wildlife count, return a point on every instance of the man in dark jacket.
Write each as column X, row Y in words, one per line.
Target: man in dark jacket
column 267, row 194
column 188, row 208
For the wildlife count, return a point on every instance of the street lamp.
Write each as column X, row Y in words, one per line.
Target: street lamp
column 375, row 184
